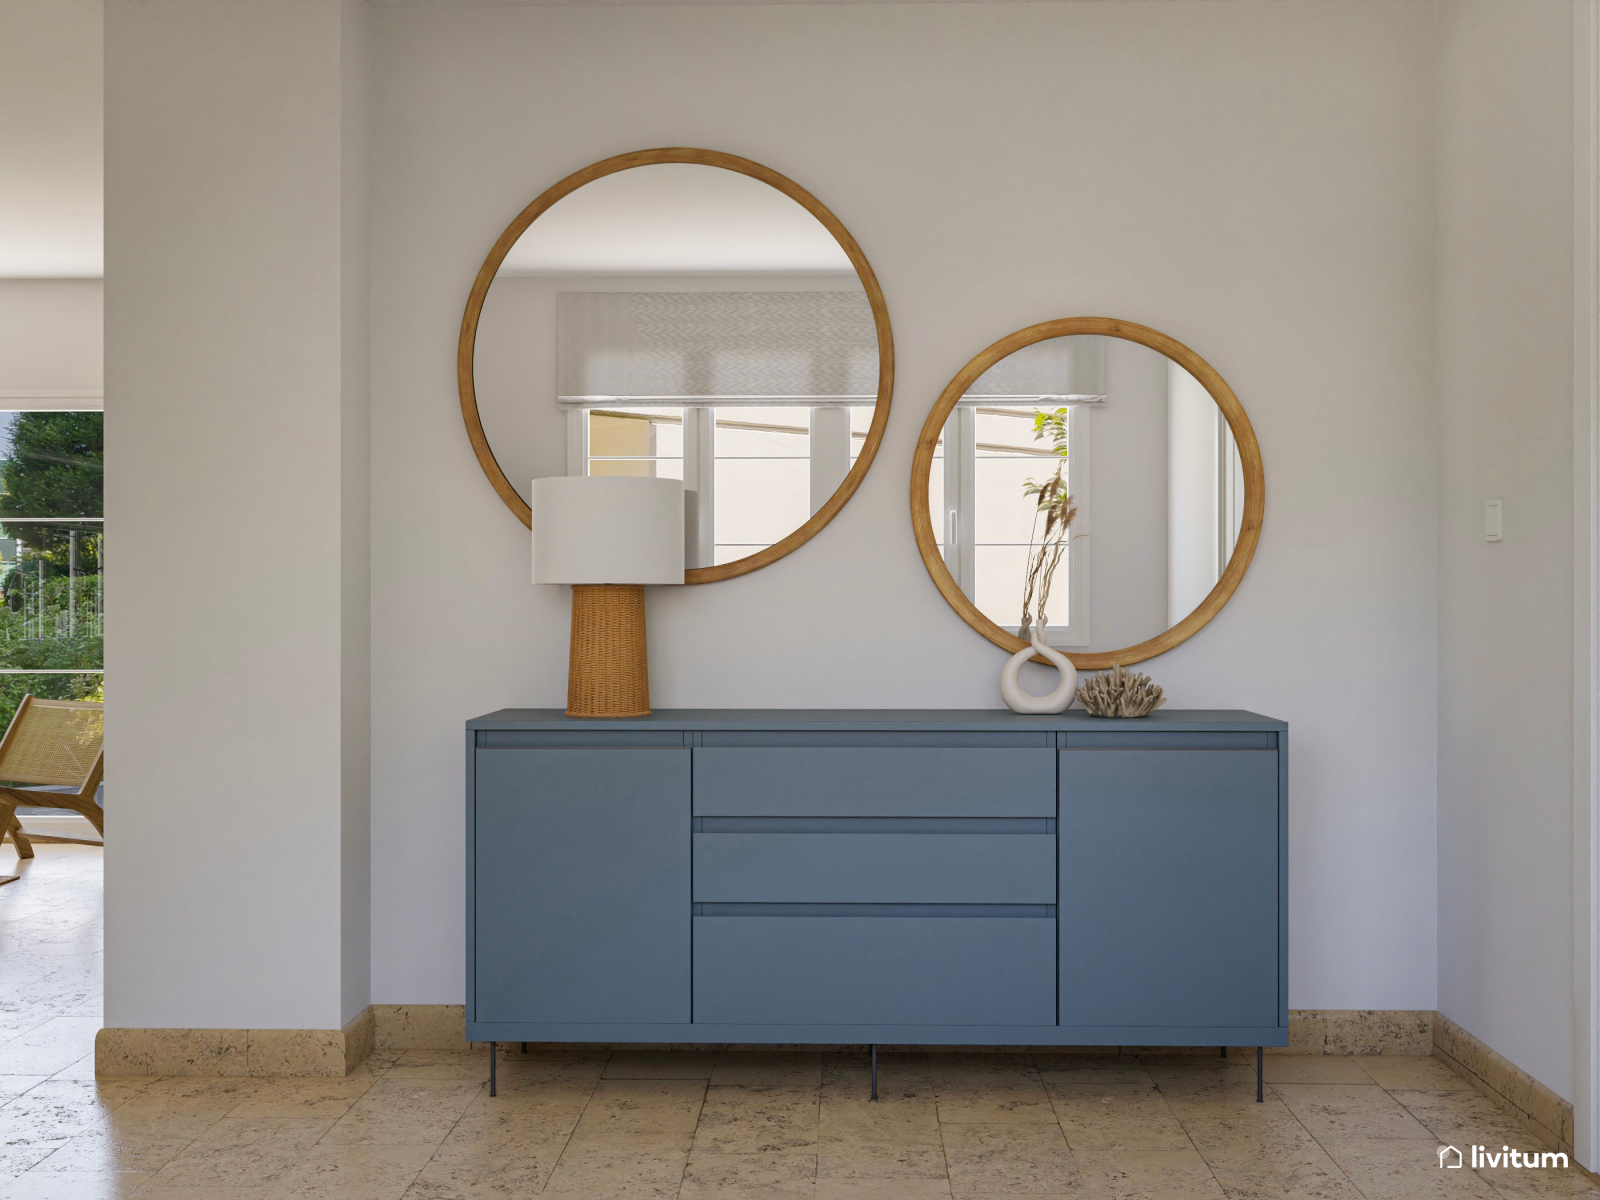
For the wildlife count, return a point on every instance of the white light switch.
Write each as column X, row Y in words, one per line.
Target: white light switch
column 1493, row 524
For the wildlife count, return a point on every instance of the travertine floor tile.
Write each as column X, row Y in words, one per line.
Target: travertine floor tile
column 990, row 1089
column 661, row 1064
column 309, row 1098
column 51, row 1047
column 878, row 1189
column 1008, row 1157
column 913, row 1122
column 488, row 1124
column 783, row 1176
column 1092, row 1070
column 757, row 1120
column 103, row 1150
column 759, row 1069
column 1390, row 1169
column 1148, row 1175
column 1466, row 1118
column 12, row 1086
column 466, row 1065
column 880, row 1160
column 487, row 1171
column 1117, row 1118
column 1540, row 1184
column 1312, row 1068
column 243, row 1152
column 352, row 1173
column 624, row 1109
column 639, row 1167
column 62, row 1185
column 1411, row 1072
column 404, row 1112
column 1206, row 1091
column 1257, row 1159
column 1344, row 1111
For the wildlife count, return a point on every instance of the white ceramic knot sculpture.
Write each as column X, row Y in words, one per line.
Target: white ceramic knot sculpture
column 1018, row 700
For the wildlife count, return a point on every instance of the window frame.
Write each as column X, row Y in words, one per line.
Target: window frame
column 87, row 523
column 826, row 472
column 958, row 522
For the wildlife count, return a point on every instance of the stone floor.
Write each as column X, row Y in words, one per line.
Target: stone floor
column 691, row 1125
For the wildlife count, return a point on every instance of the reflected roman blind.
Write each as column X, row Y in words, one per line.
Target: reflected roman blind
column 1055, row 372
column 715, row 348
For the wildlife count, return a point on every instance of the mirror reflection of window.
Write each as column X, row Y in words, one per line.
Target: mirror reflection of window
column 644, row 442
column 1149, row 460
column 758, row 400
column 686, row 320
column 763, row 478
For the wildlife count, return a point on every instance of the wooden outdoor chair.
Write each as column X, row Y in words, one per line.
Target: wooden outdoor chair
column 56, row 744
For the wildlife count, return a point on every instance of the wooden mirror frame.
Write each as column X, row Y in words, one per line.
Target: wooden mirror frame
column 707, row 158
column 1243, row 435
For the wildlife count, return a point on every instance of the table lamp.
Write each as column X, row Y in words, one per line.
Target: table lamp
column 608, row 536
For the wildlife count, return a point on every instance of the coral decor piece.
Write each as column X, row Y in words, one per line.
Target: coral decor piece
column 1119, row 693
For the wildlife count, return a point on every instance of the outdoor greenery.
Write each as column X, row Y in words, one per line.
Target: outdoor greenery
column 51, row 617
column 1054, row 507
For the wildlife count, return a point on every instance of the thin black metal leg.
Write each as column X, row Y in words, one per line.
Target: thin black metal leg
column 492, row 1057
column 524, row 1047
column 1258, row 1075
column 1223, row 1051
column 874, row 1070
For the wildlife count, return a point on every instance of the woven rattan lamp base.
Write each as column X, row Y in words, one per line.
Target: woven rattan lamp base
column 608, row 675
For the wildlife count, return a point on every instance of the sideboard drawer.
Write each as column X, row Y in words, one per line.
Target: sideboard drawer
column 874, row 781
column 874, row 970
column 883, row 867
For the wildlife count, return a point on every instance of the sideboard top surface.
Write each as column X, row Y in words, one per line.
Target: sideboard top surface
column 921, row 719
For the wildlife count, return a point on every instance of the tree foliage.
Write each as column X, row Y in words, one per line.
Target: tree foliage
column 56, row 468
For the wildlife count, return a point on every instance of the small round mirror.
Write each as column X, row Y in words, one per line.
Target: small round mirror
column 1092, row 475
column 683, row 314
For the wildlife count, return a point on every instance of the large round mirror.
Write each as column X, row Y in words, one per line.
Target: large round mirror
column 683, row 314
column 1097, row 473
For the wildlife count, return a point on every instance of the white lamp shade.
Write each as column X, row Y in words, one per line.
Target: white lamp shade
column 607, row 529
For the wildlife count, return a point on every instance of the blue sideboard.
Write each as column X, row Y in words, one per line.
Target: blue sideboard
column 871, row 876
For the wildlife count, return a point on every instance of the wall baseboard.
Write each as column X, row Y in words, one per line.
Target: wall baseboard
column 234, row 1052
column 1359, row 1031
column 1311, row 1031
column 1520, row 1094
column 399, row 1027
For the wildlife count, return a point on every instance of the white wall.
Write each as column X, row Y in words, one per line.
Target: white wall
column 1128, row 482
column 52, row 343
column 1193, row 499
column 236, row 356
column 1253, row 178
column 1505, row 625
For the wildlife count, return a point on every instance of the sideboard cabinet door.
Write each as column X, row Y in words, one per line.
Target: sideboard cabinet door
column 1169, row 888
column 582, row 906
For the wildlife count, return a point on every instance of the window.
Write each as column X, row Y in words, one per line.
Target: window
column 52, row 547
column 982, row 464
column 753, row 473
column 759, row 401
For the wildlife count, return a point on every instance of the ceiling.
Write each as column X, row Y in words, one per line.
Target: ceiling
column 52, row 182
column 675, row 218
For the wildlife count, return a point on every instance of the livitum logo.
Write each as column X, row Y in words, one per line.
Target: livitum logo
column 1482, row 1156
